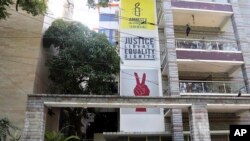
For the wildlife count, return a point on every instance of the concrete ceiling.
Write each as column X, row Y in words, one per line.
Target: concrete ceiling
column 23, row 23
column 195, row 17
column 208, row 66
column 200, row 18
column 203, row 66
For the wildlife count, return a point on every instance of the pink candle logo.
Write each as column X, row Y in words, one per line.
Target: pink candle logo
column 141, row 89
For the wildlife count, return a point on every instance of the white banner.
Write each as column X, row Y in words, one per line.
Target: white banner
column 138, row 48
column 140, row 73
column 140, row 82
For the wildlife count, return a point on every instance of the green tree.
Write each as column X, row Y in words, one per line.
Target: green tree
column 37, row 7
column 34, row 7
column 6, row 129
column 58, row 136
column 100, row 3
column 85, row 63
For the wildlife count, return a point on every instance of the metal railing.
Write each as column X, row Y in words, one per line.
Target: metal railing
column 229, row 87
column 214, row 1
column 206, row 44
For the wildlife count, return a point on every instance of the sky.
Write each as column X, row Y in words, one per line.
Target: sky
column 81, row 13
column 85, row 15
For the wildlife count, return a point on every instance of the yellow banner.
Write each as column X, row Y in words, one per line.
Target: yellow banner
column 138, row 14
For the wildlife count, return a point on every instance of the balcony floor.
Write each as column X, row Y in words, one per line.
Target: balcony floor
column 186, row 65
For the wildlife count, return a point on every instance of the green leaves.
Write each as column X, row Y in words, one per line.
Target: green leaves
column 86, row 62
column 16, row 136
column 34, row 7
column 6, row 129
column 58, row 136
column 101, row 3
column 3, row 5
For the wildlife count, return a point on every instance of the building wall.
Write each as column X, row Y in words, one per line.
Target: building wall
column 108, row 21
column 20, row 54
column 217, row 122
column 56, row 9
column 244, row 6
column 19, row 51
column 52, row 119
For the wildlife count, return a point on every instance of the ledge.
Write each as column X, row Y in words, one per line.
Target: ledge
column 199, row 5
column 133, row 102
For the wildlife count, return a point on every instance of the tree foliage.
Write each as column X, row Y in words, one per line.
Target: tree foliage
column 101, row 3
column 85, row 63
column 6, row 129
column 37, row 7
column 3, row 8
column 34, row 7
column 58, row 136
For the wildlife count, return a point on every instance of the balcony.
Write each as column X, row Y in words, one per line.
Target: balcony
column 209, row 1
column 195, row 55
column 206, row 45
column 209, row 13
column 211, row 87
column 209, row 5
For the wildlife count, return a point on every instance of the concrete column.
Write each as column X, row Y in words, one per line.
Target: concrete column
column 199, row 123
column 34, row 125
column 177, row 125
column 172, row 70
column 240, row 32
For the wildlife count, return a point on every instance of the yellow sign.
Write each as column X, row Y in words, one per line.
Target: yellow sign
column 138, row 14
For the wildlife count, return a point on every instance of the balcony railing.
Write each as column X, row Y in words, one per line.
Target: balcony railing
column 206, row 45
column 228, row 87
column 215, row 1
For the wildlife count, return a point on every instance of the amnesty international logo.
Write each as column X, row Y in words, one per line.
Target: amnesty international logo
column 137, row 14
column 137, row 9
